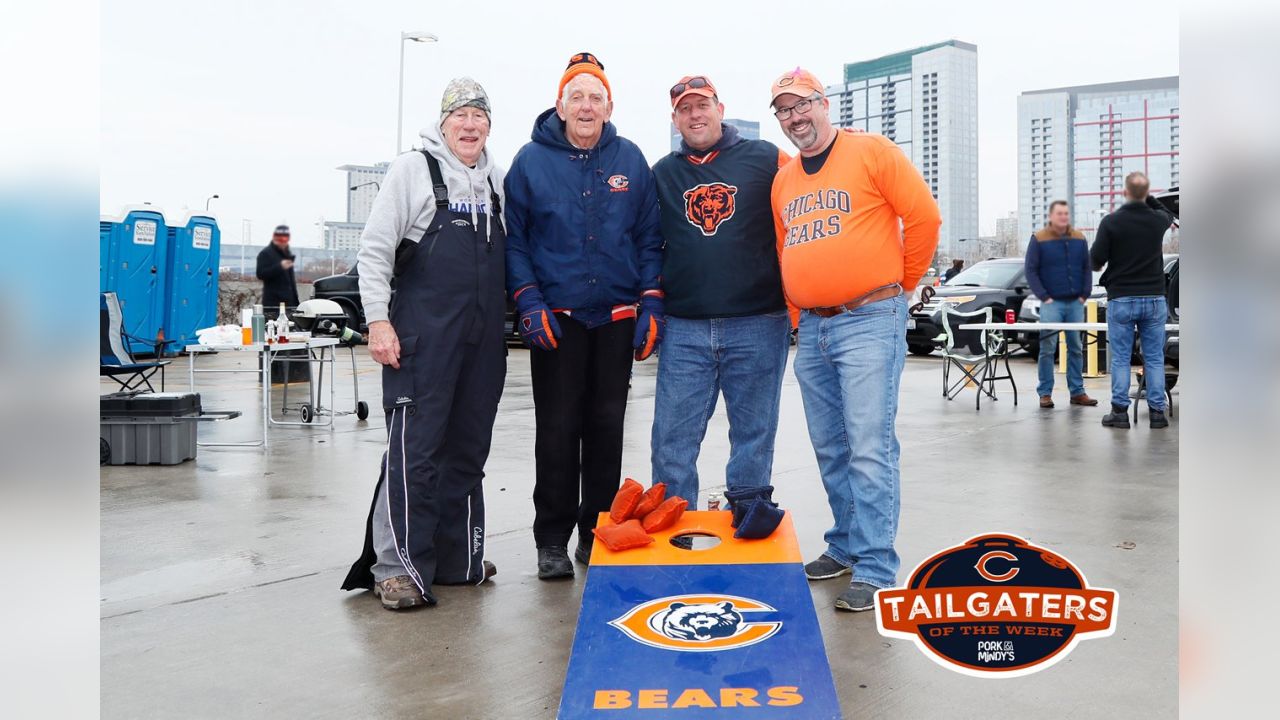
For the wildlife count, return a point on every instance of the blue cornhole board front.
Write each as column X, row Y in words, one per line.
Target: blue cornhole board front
column 637, row 652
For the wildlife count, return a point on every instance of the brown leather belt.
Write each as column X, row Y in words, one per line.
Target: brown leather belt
column 880, row 293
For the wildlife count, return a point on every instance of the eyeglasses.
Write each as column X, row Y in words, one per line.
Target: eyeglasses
column 584, row 57
column 801, row 107
column 694, row 83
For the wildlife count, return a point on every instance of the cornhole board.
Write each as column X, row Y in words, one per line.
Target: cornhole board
column 726, row 632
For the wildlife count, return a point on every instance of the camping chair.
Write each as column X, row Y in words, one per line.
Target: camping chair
column 976, row 353
column 116, row 361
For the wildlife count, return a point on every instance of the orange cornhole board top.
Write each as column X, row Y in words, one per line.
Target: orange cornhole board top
column 780, row 547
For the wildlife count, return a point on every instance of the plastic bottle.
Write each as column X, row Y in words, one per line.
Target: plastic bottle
column 246, row 326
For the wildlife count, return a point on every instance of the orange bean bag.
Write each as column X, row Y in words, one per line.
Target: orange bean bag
column 665, row 515
column 651, row 499
column 624, row 536
column 624, row 503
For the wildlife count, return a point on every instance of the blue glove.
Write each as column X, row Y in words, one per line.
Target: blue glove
column 650, row 322
column 536, row 322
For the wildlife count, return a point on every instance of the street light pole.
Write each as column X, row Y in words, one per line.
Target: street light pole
column 416, row 37
column 209, row 200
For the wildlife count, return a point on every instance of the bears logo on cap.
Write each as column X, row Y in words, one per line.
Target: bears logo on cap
column 697, row 623
column 996, row 606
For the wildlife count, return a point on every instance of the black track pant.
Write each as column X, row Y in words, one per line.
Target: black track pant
column 580, row 399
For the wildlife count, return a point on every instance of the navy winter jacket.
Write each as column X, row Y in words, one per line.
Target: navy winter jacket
column 582, row 225
column 1058, row 266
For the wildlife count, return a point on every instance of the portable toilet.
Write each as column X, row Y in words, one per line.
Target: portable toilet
column 106, row 226
column 195, row 244
column 135, row 259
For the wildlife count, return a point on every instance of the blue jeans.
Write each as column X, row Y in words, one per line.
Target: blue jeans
column 742, row 357
column 1061, row 311
column 1148, row 314
column 849, row 367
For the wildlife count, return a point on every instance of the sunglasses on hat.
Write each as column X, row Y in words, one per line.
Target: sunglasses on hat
column 694, row 83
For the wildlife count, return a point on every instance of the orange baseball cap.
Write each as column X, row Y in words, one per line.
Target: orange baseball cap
column 796, row 82
column 692, row 85
column 583, row 62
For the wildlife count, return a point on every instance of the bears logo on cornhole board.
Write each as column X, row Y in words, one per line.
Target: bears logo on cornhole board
column 697, row 623
column 996, row 606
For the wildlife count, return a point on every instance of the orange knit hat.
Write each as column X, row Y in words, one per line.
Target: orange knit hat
column 583, row 62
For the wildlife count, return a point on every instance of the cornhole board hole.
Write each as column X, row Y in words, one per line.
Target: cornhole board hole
column 723, row 632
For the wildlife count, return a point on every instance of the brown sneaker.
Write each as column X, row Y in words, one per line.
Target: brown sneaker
column 1083, row 399
column 398, row 593
column 1046, row 401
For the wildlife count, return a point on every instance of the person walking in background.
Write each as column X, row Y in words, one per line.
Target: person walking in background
column 856, row 226
column 275, row 270
column 956, row 267
column 436, row 229
column 1060, row 274
column 1129, row 245
column 727, row 322
column 584, row 256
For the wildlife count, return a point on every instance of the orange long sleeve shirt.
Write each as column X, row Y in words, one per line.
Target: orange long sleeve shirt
column 866, row 219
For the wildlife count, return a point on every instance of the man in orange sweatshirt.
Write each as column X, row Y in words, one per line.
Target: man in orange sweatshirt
column 857, row 228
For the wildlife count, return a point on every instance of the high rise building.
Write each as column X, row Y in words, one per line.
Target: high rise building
column 363, row 183
column 1078, row 143
column 748, row 129
column 1007, row 235
column 926, row 101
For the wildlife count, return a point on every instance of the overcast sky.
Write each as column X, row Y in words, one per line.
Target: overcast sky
column 260, row 101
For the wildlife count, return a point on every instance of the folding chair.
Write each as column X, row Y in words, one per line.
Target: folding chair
column 976, row 353
column 116, row 361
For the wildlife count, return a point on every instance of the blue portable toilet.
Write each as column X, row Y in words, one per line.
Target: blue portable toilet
column 194, row 250
column 105, row 227
column 135, row 263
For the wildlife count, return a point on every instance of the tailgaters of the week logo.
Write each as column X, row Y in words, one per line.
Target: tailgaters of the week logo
column 996, row 606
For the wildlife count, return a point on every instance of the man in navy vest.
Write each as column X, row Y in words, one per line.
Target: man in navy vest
column 727, row 322
column 1060, row 274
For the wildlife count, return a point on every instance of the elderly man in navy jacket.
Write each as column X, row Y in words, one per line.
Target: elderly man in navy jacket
column 584, row 255
column 1060, row 274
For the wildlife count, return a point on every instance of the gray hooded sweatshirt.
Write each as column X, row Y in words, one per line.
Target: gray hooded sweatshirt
column 405, row 208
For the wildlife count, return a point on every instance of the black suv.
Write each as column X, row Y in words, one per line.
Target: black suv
column 344, row 289
column 1000, row 284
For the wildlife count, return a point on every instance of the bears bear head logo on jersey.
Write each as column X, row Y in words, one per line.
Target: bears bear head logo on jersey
column 709, row 204
column 698, row 623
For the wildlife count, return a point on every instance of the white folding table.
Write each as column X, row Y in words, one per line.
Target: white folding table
column 267, row 353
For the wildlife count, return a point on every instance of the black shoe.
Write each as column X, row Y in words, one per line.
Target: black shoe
column 583, row 553
column 489, row 571
column 553, row 562
column 825, row 568
column 1117, row 418
column 1158, row 420
column 860, row 596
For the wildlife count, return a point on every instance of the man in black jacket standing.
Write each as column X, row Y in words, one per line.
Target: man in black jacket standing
column 727, row 323
column 1129, row 244
column 275, row 270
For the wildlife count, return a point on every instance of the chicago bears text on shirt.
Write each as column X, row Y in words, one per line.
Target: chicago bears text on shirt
column 838, row 202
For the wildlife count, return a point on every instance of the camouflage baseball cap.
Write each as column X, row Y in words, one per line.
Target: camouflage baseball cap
column 463, row 92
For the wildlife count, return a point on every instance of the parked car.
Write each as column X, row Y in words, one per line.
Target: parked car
column 344, row 289
column 999, row 284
